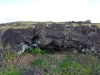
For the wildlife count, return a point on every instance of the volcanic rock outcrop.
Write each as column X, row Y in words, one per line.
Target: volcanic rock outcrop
column 57, row 36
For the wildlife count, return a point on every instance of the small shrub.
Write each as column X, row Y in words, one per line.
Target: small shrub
column 35, row 50
column 48, row 50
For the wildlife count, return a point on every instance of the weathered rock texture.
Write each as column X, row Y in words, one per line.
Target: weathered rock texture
column 57, row 36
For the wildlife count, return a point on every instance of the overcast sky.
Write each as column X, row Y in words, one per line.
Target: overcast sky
column 49, row 10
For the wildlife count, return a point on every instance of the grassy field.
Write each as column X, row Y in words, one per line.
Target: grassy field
column 26, row 24
column 51, row 62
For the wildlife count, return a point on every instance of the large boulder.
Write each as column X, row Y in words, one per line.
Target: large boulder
column 85, row 29
column 78, row 29
column 40, row 30
column 96, row 48
column 79, row 38
column 70, row 29
column 92, row 28
column 49, row 33
column 28, row 34
column 88, row 44
column 45, row 41
column 70, row 43
column 94, row 37
column 14, row 38
column 59, row 34
column 59, row 42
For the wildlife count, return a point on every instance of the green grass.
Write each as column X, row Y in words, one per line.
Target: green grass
column 68, row 63
column 71, row 64
column 11, row 70
column 37, row 62
column 35, row 51
column 10, row 55
column 71, row 67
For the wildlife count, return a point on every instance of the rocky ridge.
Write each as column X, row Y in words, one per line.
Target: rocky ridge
column 56, row 36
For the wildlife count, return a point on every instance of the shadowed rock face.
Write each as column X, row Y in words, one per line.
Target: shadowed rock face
column 15, row 37
column 12, row 37
column 54, row 36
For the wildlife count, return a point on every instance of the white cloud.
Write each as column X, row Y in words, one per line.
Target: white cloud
column 94, row 1
column 51, row 10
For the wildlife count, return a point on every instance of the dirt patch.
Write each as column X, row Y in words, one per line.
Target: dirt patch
column 23, row 59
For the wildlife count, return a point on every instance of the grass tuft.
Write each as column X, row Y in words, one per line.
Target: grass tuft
column 11, row 70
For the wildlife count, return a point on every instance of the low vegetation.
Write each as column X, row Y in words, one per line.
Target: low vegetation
column 26, row 24
column 11, row 70
column 55, row 63
column 70, row 64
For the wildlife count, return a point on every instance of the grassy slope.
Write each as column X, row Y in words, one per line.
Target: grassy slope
column 63, row 63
